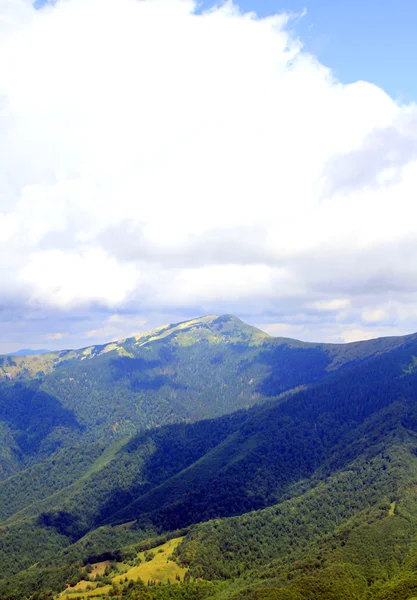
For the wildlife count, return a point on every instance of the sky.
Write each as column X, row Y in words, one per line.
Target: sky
column 163, row 159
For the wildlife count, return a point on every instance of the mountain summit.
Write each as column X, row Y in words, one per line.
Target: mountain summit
column 211, row 328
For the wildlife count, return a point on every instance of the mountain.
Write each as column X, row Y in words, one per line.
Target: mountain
column 159, row 377
column 29, row 352
column 300, row 484
column 198, row 369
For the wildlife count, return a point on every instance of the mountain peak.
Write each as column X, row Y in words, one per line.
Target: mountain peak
column 214, row 328
column 29, row 352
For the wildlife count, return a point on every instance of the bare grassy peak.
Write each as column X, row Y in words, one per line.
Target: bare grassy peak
column 212, row 328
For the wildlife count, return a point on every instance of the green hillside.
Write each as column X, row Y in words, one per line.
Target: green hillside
column 306, row 491
column 194, row 370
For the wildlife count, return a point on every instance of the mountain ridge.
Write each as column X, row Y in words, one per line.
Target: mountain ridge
column 166, row 330
column 272, row 464
column 47, row 360
column 195, row 369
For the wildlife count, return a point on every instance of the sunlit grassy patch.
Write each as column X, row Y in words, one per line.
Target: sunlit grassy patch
column 160, row 569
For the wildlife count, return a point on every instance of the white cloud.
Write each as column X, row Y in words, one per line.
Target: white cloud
column 374, row 316
column 54, row 336
column 333, row 305
column 70, row 279
column 157, row 160
column 116, row 327
column 357, row 334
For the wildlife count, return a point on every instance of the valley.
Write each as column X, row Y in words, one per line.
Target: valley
column 207, row 453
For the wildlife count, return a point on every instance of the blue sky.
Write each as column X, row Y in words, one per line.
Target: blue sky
column 374, row 40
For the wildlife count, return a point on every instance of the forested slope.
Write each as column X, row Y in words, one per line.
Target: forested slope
column 278, row 479
column 185, row 372
column 284, row 499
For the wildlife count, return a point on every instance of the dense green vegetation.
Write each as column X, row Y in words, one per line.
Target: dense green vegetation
column 307, row 491
column 194, row 370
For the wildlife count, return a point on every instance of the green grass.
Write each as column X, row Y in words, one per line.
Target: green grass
column 160, row 569
column 391, row 511
column 98, row 592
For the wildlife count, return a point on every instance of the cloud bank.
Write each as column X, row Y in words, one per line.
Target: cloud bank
column 157, row 163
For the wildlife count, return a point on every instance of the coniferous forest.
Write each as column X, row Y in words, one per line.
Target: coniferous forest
column 208, row 460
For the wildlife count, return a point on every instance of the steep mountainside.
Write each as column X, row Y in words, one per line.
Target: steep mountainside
column 198, row 369
column 308, row 495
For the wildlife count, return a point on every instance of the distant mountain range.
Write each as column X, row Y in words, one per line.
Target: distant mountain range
column 278, row 469
column 28, row 352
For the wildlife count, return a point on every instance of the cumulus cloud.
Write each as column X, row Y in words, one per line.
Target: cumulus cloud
column 380, row 159
column 159, row 163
